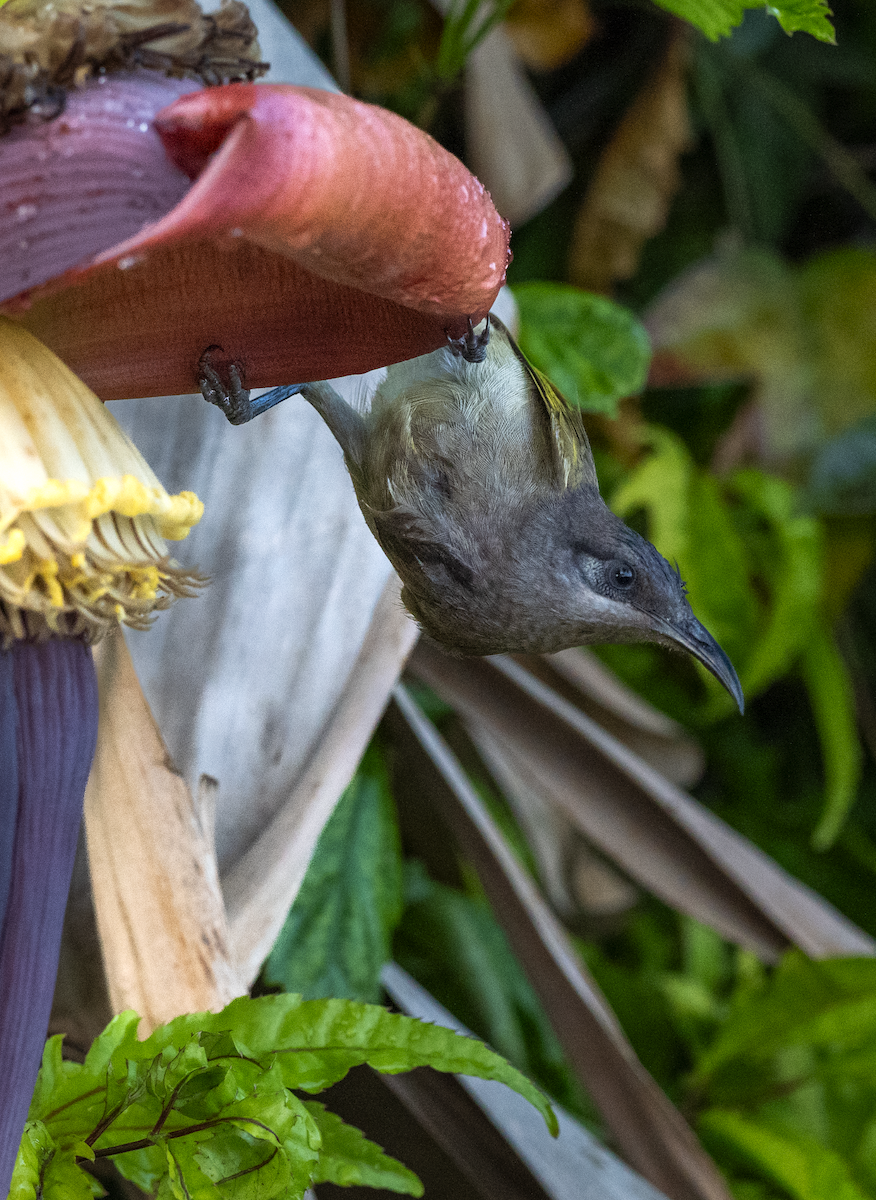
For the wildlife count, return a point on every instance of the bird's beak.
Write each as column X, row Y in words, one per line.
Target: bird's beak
column 696, row 639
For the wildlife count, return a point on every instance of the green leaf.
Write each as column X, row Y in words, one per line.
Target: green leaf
column 593, row 350
column 452, row 944
column 347, row 1158
column 833, row 705
column 802, row 1166
column 243, row 1166
column 34, row 1152
column 45, row 1172
column 661, row 486
column 790, row 563
column 318, row 1041
column 204, row 1103
column 691, row 523
column 826, row 1003
column 337, row 936
column 717, row 18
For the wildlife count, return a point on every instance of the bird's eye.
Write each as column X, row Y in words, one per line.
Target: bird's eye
column 621, row 576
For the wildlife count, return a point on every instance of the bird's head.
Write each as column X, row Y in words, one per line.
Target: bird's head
column 560, row 571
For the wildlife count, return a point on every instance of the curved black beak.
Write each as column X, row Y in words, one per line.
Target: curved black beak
column 696, row 639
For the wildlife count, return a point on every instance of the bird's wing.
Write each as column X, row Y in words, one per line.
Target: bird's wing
column 573, row 457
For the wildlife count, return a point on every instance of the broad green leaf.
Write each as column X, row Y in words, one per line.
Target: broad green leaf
column 803, row 1167
column 833, row 705
column 718, row 576
column 337, row 936
column 593, row 350
column 717, row 18
column 347, row 1158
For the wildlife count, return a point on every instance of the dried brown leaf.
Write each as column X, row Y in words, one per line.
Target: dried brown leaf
column 547, row 33
column 636, row 178
column 579, row 676
column 153, row 867
column 650, row 1132
column 574, row 1164
column 659, row 835
column 261, row 886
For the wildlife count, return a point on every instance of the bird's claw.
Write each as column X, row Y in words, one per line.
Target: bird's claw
column 472, row 346
column 223, row 386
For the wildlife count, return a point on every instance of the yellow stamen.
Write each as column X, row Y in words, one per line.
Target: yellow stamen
column 82, row 517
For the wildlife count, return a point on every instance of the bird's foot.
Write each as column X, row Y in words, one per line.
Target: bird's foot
column 472, row 346
column 224, row 387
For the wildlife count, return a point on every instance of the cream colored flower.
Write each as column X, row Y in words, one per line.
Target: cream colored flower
column 83, row 520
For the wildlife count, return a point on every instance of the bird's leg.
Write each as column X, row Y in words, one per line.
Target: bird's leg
column 224, row 387
column 472, row 346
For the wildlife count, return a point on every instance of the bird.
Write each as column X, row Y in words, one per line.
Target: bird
column 476, row 477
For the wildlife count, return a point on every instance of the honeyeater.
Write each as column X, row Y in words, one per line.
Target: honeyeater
column 476, row 477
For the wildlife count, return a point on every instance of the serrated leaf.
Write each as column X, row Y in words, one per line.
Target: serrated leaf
column 230, row 1071
column 593, row 350
column 33, row 1153
column 72, row 1097
column 43, row 1171
column 801, row 1166
column 717, row 18
column 337, row 936
column 347, row 1158
column 317, row 1042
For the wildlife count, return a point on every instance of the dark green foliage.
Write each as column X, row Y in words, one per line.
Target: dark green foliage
column 338, row 933
column 452, row 944
column 206, row 1107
